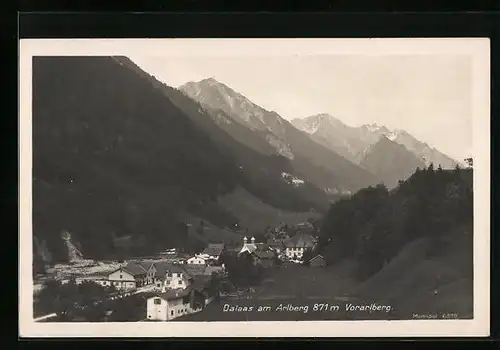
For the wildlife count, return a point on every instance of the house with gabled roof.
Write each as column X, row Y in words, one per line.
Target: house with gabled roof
column 197, row 260
column 130, row 276
column 167, row 305
column 261, row 253
column 213, row 251
column 296, row 245
column 149, row 267
column 172, row 303
column 171, row 276
column 252, row 246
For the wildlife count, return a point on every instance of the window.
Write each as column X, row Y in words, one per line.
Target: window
column 157, row 301
column 180, row 281
column 172, row 312
column 121, row 276
column 169, row 274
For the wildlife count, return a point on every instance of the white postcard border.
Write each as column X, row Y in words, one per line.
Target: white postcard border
column 477, row 48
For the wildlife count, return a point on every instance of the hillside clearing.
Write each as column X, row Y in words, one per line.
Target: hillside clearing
column 257, row 215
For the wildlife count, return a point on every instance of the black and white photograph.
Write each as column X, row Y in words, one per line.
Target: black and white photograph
column 241, row 182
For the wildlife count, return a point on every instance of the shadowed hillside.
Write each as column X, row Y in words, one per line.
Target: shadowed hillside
column 118, row 154
column 112, row 154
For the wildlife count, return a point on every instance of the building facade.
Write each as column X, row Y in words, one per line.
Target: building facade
column 169, row 305
column 297, row 245
column 196, row 260
column 122, row 279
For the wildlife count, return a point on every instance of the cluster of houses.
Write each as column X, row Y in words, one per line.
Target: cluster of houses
column 183, row 287
column 289, row 249
column 179, row 288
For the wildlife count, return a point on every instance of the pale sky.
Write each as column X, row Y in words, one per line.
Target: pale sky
column 428, row 95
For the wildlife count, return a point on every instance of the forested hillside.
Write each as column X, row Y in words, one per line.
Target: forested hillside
column 112, row 155
column 414, row 242
column 117, row 154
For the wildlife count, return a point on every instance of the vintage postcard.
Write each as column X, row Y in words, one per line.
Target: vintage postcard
column 254, row 187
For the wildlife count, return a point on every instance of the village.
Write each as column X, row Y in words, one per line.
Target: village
column 176, row 284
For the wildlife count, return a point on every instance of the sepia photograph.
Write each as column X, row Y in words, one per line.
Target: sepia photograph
column 259, row 186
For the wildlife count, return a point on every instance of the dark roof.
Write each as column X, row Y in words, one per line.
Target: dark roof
column 134, row 269
column 98, row 274
column 263, row 254
column 163, row 267
column 300, row 240
column 174, row 294
column 262, row 246
column 213, row 251
column 146, row 264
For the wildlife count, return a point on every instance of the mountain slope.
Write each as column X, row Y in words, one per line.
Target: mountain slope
column 260, row 168
column 352, row 142
column 313, row 161
column 423, row 151
column 390, row 161
column 111, row 155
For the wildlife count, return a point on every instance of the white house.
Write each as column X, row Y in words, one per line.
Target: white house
column 298, row 244
column 248, row 247
column 170, row 276
column 131, row 276
column 169, row 305
column 196, row 260
column 122, row 279
column 150, row 268
column 213, row 251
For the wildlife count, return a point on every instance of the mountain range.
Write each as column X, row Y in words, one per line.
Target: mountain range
column 342, row 159
column 310, row 160
column 118, row 153
column 354, row 142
